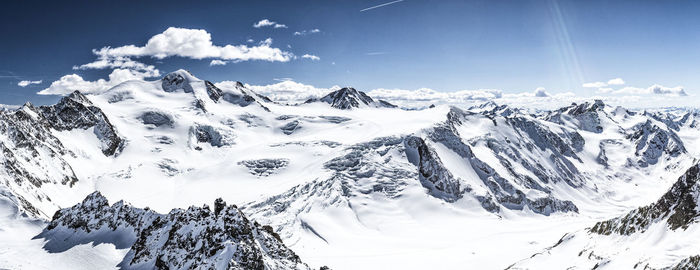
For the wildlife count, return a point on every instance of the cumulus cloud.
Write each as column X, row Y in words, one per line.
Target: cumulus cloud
column 266, row 22
column 217, row 62
column 306, row 32
column 182, row 42
column 540, row 92
column 615, row 81
column 69, row 83
column 651, row 90
column 27, row 83
column 662, row 90
column 311, row 56
column 594, row 84
column 195, row 44
column 122, row 62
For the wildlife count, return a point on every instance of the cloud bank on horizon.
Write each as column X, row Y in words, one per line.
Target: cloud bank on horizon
column 656, row 89
column 291, row 92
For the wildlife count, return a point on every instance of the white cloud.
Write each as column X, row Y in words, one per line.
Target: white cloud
column 306, row 32
column 182, row 42
column 311, row 56
column 194, row 44
column 288, row 91
column 594, row 84
column 266, row 22
column 540, row 92
column 293, row 92
column 27, row 83
column 69, row 83
column 427, row 96
column 616, row 81
column 662, row 90
column 105, row 61
column 217, row 62
column 651, row 90
column 285, row 91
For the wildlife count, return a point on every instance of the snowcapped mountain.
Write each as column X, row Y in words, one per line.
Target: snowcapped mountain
column 656, row 236
column 345, row 180
column 348, row 98
column 198, row 237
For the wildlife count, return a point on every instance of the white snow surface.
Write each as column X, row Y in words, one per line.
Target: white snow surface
column 379, row 214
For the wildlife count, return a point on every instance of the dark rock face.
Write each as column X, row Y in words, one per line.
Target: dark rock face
column 214, row 92
column 30, row 144
column 157, row 119
column 193, row 238
column 242, row 100
column 76, row 111
column 386, row 104
column 652, row 142
column 690, row 119
column 502, row 192
column 214, row 136
column 678, row 207
column 371, row 161
column 291, row 127
column 433, row 175
column 347, row 98
column 264, row 167
column 174, row 81
column 32, row 156
column 244, row 97
column 586, row 115
column 335, row 119
column 692, row 262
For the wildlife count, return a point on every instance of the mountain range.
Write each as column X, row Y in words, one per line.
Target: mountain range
column 343, row 181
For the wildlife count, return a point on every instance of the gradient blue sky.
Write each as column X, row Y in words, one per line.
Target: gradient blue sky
column 444, row 45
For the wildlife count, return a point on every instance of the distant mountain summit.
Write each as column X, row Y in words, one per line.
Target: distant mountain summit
column 348, row 98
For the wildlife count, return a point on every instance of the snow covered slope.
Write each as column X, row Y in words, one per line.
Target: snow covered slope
column 661, row 235
column 198, row 237
column 345, row 181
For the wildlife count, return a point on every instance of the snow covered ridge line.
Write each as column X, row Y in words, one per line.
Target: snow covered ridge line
column 670, row 223
column 678, row 208
column 196, row 237
column 32, row 156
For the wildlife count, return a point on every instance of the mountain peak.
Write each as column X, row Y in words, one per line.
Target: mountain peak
column 347, row 98
column 179, row 79
column 596, row 105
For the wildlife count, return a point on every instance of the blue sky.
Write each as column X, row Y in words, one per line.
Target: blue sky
column 514, row 46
